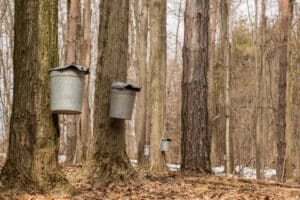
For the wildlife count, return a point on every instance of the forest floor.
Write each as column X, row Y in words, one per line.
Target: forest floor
column 172, row 185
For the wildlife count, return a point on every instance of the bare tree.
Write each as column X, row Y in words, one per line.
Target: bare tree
column 196, row 139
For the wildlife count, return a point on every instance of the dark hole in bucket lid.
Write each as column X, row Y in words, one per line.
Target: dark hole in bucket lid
column 127, row 86
column 74, row 67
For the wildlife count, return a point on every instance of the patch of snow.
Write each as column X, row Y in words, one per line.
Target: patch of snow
column 218, row 170
column 62, row 158
column 269, row 173
column 247, row 172
column 3, row 155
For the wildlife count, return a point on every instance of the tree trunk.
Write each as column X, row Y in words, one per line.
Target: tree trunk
column 290, row 121
column 158, row 56
column 283, row 64
column 108, row 161
column 32, row 162
column 196, row 139
column 211, row 80
column 140, row 122
column 84, row 129
column 72, row 56
column 225, row 59
column 259, row 65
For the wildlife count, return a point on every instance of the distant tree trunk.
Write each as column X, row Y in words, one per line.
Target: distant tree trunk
column 195, row 142
column 140, row 122
column 158, row 59
column 108, row 161
column 225, row 49
column 84, row 129
column 296, row 139
column 72, row 56
column 290, row 130
column 211, row 79
column 283, row 64
column 32, row 162
column 259, row 62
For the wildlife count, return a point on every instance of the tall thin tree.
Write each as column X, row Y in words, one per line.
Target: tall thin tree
column 158, row 56
column 281, row 112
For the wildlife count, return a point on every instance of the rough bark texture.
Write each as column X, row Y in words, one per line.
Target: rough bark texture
column 290, row 93
column 283, row 64
column 84, row 129
column 158, row 56
column 108, row 160
column 225, row 61
column 259, row 62
column 211, row 80
column 195, row 143
column 32, row 162
column 140, row 121
column 72, row 56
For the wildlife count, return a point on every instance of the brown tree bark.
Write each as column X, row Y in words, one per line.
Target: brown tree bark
column 158, row 56
column 211, row 80
column 196, row 139
column 281, row 113
column 107, row 160
column 140, row 121
column 290, row 96
column 32, row 162
column 72, row 56
column 225, row 61
column 84, row 129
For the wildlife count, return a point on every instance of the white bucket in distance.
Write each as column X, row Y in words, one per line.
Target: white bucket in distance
column 165, row 144
column 147, row 150
column 66, row 89
column 122, row 100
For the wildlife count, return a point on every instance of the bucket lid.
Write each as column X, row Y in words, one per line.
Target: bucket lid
column 127, row 86
column 74, row 67
column 166, row 139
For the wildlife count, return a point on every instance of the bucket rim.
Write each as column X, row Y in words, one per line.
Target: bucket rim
column 166, row 139
column 125, row 86
column 83, row 69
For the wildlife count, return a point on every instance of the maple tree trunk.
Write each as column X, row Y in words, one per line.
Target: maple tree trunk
column 211, row 79
column 140, row 121
column 196, row 139
column 107, row 160
column 290, row 121
column 281, row 113
column 158, row 56
column 84, row 129
column 32, row 161
column 72, row 56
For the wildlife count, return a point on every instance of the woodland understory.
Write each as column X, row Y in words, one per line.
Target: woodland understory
column 217, row 80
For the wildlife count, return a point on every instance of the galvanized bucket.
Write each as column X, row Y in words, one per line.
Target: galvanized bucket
column 122, row 100
column 165, row 144
column 66, row 89
column 147, row 150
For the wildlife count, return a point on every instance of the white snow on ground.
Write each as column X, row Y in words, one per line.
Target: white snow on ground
column 247, row 172
column 62, row 158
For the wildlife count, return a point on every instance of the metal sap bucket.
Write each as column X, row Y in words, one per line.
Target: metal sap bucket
column 147, row 150
column 66, row 89
column 122, row 100
column 164, row 145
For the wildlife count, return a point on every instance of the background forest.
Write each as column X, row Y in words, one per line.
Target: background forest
column 219, row 78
